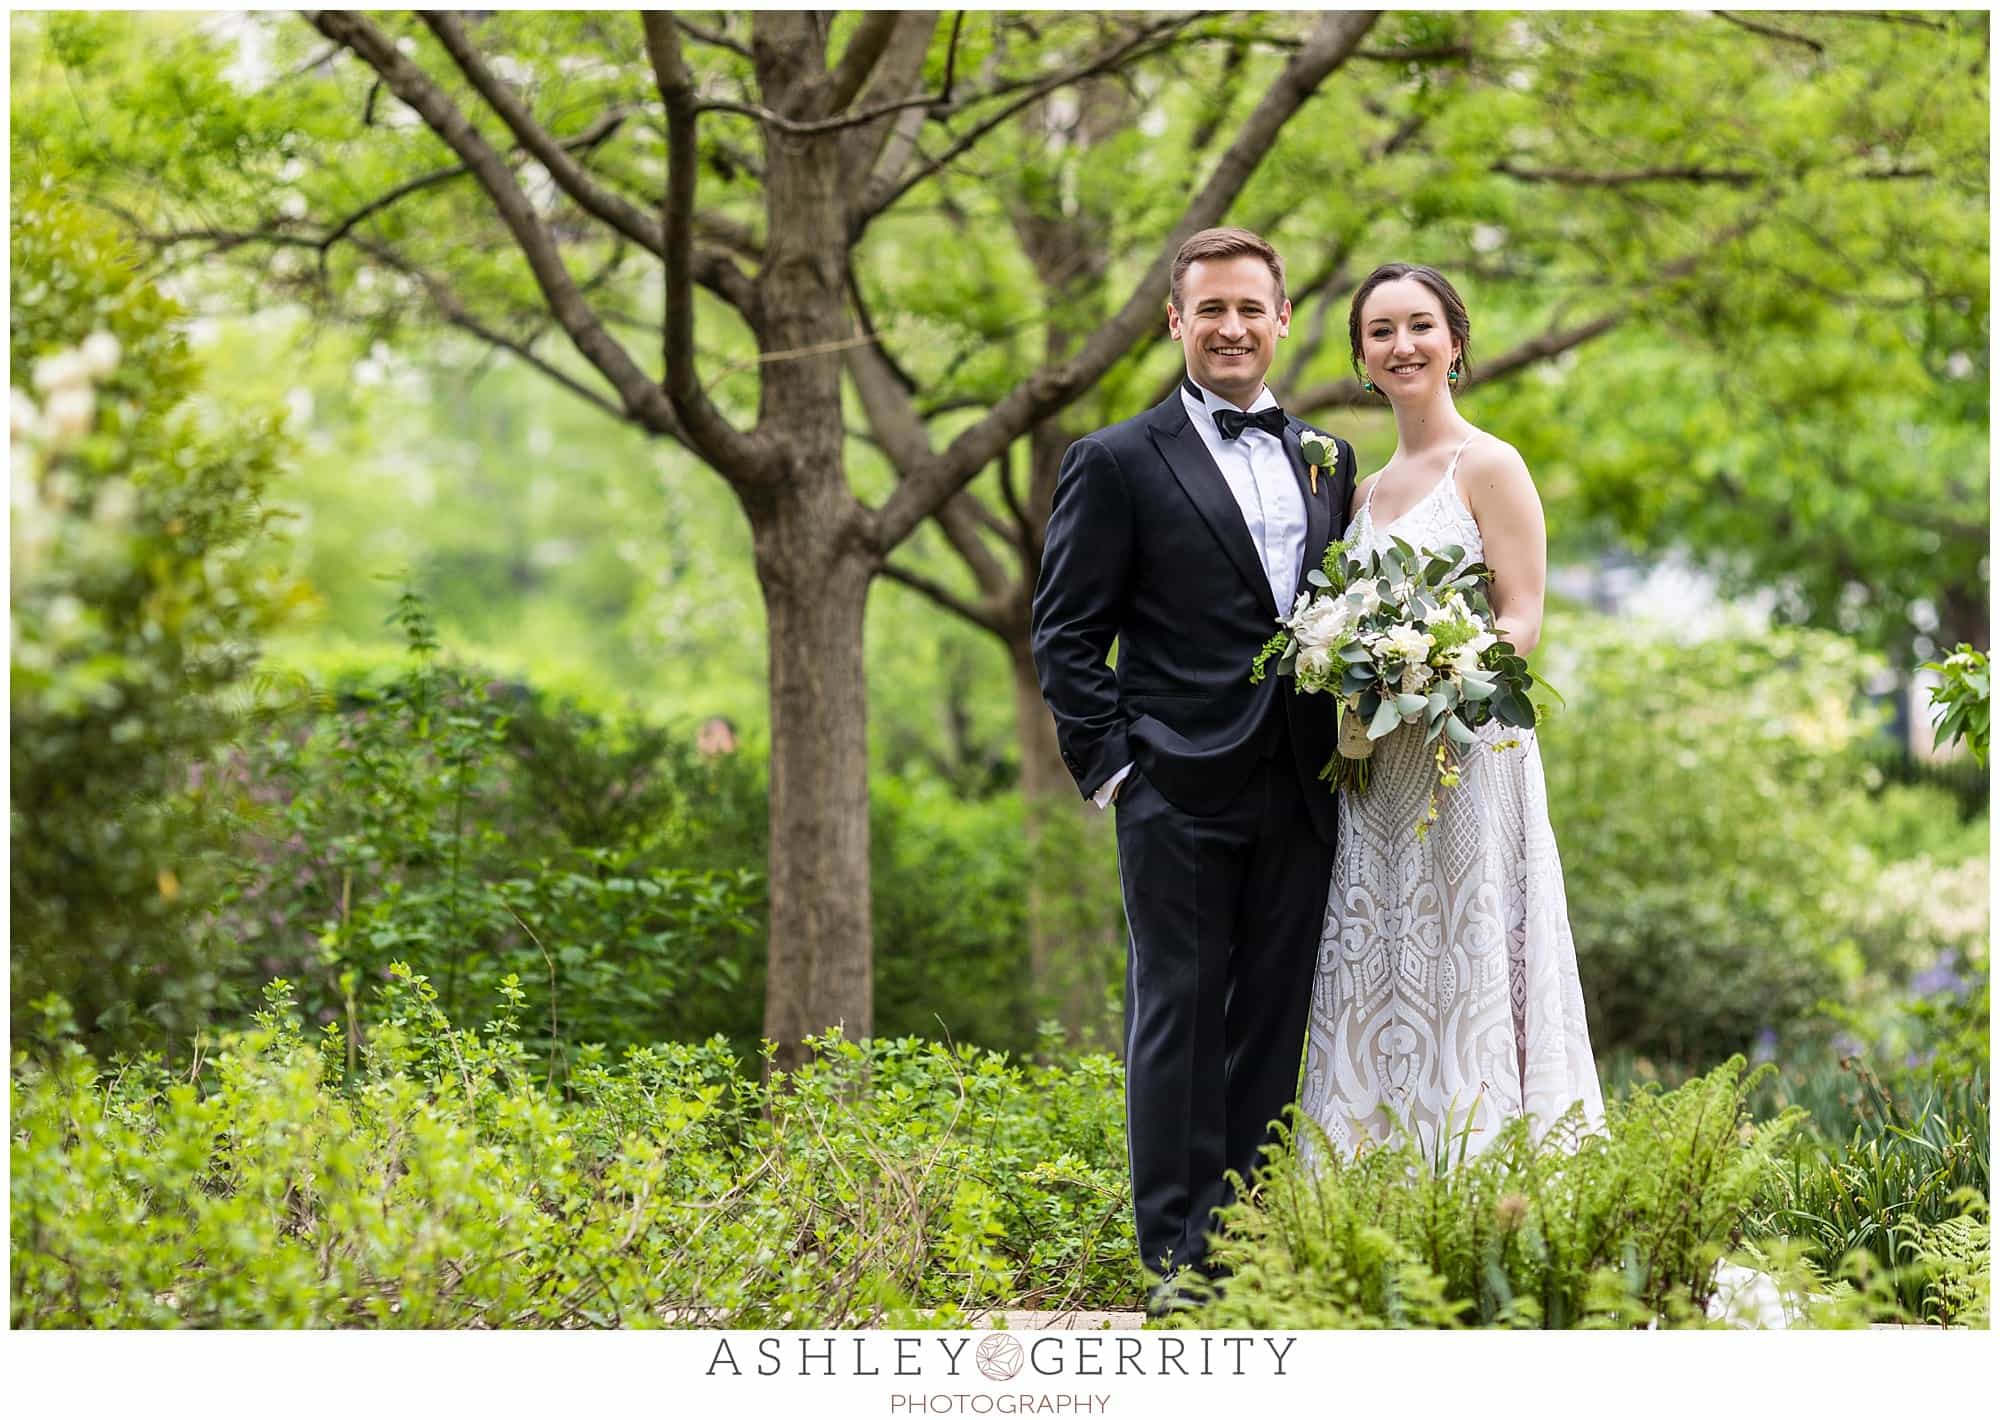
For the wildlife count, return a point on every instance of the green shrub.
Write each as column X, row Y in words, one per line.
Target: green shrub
column 949, row 885
column 140, row 588
column 1717, row 836
column 425, row 812
column 1577, row 1230
column 422, row 819
column 431, row 1180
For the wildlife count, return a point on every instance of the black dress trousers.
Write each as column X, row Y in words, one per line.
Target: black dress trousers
column 1223, row 913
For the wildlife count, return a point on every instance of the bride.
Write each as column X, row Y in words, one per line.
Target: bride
column 1446, row 996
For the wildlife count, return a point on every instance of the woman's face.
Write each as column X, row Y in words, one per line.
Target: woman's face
column 1406, row 348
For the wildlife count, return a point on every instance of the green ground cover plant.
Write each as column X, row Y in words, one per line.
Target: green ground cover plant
column 1577, row 1229
column 433, row 1179
column 1900, row 1199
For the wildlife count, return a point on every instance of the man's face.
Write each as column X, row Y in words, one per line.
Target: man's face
column 1231, row 324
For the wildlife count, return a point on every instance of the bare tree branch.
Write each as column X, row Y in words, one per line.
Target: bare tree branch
column 1570, row 177
column 899, row 74
column 1887, row 17
column 961, row 519
column 1771, row 32
column 978, row 613
column 731, row 452
column 571, row 178
column 713, row 37
column 640, row 397
column 927, row 481
column 1025, row 533
column 456, row 312
column 889, row 187
column 307, row 66
column 1416, row 54
column 863, row 51
column 597, row 133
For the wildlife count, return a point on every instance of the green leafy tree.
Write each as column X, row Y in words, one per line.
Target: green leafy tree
column 546, row 182
column 139, row 597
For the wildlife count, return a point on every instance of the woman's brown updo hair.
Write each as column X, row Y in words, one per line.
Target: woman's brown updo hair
column 1455, row 318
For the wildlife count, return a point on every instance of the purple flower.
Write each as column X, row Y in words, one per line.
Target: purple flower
column 1940, row 979
column 1766, row 1046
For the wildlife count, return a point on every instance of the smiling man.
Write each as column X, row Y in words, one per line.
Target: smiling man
column 1180, row 535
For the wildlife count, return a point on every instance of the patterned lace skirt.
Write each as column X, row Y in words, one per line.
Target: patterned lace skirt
column 1446, row 996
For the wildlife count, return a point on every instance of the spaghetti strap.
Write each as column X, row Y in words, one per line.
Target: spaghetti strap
column 1375, row 481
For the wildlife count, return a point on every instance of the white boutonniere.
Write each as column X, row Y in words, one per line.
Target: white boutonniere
column 1321, row 453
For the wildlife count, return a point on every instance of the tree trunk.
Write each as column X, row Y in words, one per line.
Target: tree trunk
column 821, row 960
column 814, row 561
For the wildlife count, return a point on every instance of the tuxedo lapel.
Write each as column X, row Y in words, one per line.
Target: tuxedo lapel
column 1185, row 454
column 1319, row 512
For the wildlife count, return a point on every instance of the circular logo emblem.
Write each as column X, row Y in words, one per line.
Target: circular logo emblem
column 999, row 1357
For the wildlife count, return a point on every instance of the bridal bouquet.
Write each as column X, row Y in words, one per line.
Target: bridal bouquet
column 1404, row 637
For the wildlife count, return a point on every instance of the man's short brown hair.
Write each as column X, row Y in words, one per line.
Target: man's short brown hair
column 1219, row 244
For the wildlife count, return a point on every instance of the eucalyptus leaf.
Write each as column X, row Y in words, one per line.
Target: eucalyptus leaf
column 1386, row 719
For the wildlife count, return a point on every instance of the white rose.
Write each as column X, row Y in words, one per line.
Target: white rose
column 1326, row 623
column 1315, row 660
column 1407, row 644
column 100, row 351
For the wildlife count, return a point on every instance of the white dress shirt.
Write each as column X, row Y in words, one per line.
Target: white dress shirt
column 1266, row 490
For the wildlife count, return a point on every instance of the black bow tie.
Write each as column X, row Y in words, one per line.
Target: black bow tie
column 1232, row 422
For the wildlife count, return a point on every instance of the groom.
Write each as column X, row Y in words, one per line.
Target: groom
column 1181, row 535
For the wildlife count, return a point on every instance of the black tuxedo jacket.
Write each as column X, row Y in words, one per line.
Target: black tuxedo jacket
column 1147, row 546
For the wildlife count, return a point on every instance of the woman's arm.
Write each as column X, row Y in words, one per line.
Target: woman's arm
column 1502, row 499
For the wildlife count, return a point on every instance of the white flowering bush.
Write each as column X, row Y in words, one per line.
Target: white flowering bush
column 138, row 593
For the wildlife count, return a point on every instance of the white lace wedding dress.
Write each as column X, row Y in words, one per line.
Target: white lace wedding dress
column 1446, row 994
